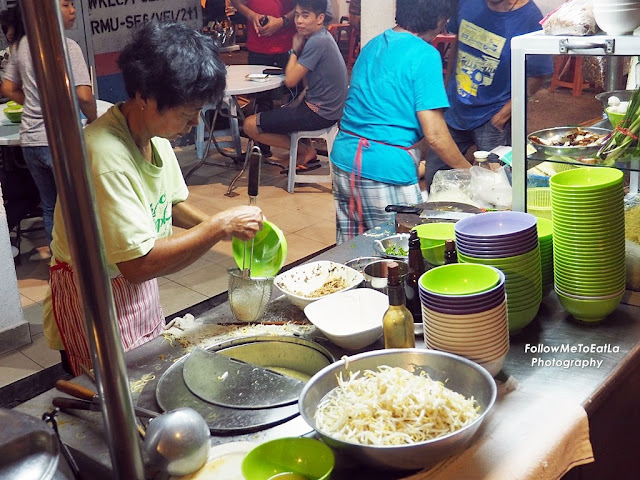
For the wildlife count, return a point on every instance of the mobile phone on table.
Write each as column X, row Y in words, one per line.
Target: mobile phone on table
column 273, row 71
column 257, row 77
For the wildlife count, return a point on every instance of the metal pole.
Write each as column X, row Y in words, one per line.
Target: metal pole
column 43, row 23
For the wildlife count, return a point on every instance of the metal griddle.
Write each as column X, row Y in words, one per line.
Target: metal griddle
column 233, row 383
column 275, row 351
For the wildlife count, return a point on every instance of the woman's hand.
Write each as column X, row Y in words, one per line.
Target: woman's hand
column 240, row 222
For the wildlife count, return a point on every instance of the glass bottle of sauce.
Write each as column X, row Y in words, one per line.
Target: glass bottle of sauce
column 397, row 322
column 416, row 269
column 450, row 253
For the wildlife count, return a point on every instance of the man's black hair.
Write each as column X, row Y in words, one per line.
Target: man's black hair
column 316, row 6
column 420, row 16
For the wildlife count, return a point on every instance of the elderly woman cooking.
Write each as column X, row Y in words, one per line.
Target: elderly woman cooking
column 170, row 72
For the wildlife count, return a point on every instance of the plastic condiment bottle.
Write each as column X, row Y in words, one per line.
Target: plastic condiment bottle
column 416, row 269
column 397, row 323
column 480, row 159
column 450, row 253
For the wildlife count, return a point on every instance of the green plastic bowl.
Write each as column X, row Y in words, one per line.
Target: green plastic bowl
column 303, row 458
column 518, row 319
column 432, row 234
column 589, row 310
column 434, row 255
column 545, row 229
column 586, row 179
column 269, row 251
column 515, row 263
column 459, row 279
column 614, row 117
column 13, row 114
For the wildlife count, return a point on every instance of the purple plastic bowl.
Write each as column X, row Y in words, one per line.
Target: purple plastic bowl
column 510, row 241
column 496, row 252
column 495, row 225
column 478, row 307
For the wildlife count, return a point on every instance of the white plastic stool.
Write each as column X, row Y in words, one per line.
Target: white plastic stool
column 329, row 134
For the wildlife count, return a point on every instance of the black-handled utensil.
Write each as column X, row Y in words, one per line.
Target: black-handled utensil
column 403, row 209
column 255, row 158
column 85, row 395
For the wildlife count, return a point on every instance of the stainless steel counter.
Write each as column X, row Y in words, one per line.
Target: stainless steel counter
column 604, row 357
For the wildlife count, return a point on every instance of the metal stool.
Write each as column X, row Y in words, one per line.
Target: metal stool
column 329, row 134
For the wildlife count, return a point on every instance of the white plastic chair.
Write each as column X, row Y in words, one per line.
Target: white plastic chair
column 329, row 134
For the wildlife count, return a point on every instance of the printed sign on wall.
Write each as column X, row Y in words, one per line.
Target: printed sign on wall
column 111, row 23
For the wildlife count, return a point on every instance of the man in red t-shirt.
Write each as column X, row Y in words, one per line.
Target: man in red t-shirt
column 268, row 43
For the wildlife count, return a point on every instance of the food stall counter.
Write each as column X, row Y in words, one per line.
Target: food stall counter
column 556, row 361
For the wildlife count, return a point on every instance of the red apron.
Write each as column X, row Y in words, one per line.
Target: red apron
column 355, row 201
column 138, row 311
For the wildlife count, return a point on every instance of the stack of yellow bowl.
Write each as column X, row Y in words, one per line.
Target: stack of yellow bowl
column 587, row 205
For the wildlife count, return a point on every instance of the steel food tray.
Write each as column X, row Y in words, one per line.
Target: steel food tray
column 568, row 151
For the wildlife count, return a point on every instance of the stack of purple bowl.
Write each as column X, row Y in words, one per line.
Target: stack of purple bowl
column 507, row 241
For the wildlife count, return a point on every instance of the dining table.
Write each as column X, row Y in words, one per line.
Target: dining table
column 239, row 82
column 10, row 131
column 554, row 403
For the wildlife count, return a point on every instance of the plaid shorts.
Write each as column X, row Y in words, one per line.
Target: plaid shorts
column 375, row 197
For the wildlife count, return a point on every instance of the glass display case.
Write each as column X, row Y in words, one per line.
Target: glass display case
column 537, row 43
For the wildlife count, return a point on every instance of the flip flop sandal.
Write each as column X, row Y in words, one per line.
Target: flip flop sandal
column 302, row 168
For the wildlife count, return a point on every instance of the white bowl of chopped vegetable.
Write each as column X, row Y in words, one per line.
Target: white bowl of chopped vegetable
column 381, row 407
column 312, row 281
column 395, row 246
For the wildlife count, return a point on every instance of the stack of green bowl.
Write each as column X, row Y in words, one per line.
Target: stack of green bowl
column 587, row 205
column 545, row 241
column 432, row 239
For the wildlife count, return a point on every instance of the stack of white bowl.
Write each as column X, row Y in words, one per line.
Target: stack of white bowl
column 464, row 311
column 617, row 17
column 508, row 241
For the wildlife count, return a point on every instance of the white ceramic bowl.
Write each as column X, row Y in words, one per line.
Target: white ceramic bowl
column 351, row 319
column 300, row 284
column 617, row 21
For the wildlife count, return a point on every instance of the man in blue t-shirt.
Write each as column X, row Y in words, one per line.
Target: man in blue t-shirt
column 316, row 59
column 479, row 90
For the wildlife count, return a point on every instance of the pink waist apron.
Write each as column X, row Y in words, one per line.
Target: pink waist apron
column 138, row 310
column 355, row 200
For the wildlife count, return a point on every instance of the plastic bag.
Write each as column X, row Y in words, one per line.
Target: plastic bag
column 477, row 186
column 574, row 17
column 491, row 187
